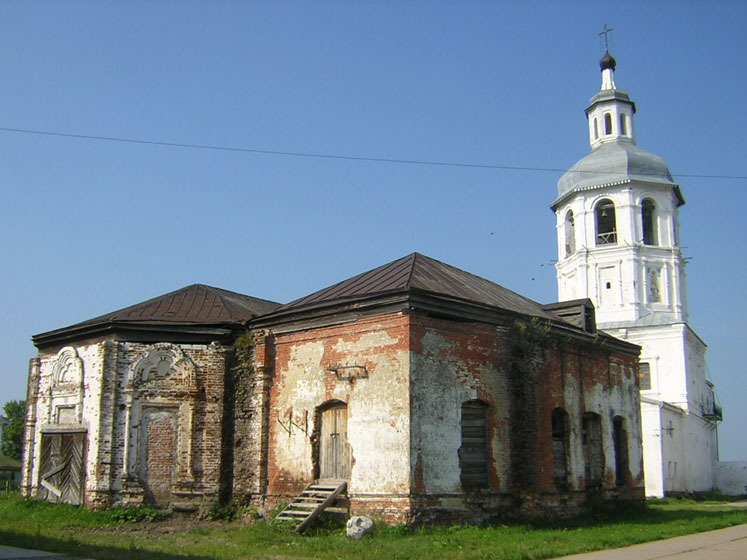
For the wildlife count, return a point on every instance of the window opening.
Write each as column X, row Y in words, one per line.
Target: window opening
column 473, row 454
column 648, row 222
column 560, row 447
column 644, row 375
column 607, row 123
column 591, row 438
column 596, row 128
column 620, row 436
column 570, row 234
column 606, row 223
column 623, row 125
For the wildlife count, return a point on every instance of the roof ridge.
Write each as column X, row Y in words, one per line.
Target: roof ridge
column 411, row 274
column 220, row 295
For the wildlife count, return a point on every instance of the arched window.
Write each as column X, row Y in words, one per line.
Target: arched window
column 623, row 125
column 596, row 128
column 607, row 123
column 606, row 222
column 560, row 448
column 570, row 234
column 620, row 436
column 591, row 439
column 648, row 222
column 473, row 454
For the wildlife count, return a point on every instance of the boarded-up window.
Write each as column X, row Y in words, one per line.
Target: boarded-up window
column 620, row 436
column 560, row 447
column 591, row 438
column 473, row 454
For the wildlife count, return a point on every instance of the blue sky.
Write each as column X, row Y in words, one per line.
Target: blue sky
column 88, row 226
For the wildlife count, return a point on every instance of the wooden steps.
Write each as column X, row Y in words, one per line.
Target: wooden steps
column 309, row 504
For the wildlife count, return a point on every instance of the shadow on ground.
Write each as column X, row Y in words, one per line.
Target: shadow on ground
column 82, row 550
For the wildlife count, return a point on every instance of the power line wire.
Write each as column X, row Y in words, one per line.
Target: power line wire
column 328, row 156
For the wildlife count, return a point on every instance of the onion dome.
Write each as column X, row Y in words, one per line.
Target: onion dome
column 608, row 62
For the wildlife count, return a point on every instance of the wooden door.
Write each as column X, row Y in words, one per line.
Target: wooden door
column 158, row 454
column 334, row 451
column 63, row 468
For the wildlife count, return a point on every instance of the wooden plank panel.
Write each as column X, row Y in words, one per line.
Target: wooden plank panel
column 473, row 454
column 334, row 450
column 343, row 448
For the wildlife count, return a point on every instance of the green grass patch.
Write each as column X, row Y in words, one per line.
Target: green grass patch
column 119, row 534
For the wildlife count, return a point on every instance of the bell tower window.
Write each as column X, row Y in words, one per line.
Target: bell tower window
column 623, row 125
column 596, row 128
column 570, row 234
column 606, row 223
column 644, row 375
column 607, row 123
column 648, row 222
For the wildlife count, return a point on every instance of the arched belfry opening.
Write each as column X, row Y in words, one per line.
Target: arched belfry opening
column 570, row 234
column 648, row 222
column 606, row 222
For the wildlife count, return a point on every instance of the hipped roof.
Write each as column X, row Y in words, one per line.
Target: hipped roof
column 414, row 283
column 196, row 306
column 417, row 272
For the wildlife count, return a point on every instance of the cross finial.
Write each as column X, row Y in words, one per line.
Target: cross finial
column 605, row 32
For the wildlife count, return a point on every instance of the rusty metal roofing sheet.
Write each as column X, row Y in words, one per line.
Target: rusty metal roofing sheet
column 195, row 304
column 418, row 272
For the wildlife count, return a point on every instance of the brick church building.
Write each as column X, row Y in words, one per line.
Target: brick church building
column 431, row 392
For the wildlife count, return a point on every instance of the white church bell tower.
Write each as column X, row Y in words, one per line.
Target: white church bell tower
column 618, row 245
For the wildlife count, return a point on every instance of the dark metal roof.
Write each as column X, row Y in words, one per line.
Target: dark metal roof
column 416, row 272
column 192, row 304
column 195, row 305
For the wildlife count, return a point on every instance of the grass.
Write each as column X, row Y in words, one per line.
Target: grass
column 118, row 534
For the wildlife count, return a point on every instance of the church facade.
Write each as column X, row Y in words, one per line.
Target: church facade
column 618, row 245
column 431, row 392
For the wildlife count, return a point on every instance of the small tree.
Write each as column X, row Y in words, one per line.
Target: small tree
column 12, row 444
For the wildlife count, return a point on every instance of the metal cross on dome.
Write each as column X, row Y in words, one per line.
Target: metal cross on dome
column 605, row 32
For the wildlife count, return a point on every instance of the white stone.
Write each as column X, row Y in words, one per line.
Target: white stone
column 358, row 527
